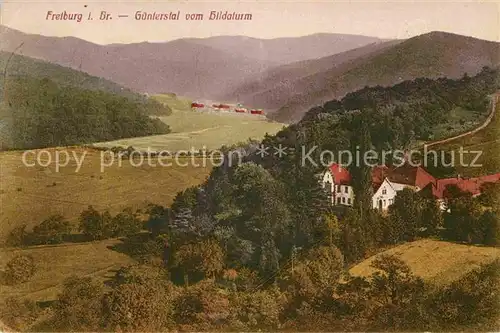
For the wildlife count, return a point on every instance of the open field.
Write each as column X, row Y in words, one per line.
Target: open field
column 200, row 129
column 438, row 262
column 31, row 194
column 486, row 141
column 176, row 103
column 55, row 263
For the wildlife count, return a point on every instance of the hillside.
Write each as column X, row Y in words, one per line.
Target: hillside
column 19, row 65
column 59, row 262
column 31, row 194
column 196, row 68
column 436, row 261
column 40, row 113
column 271, row 89
column 486, row 141
column 191, row 129
column 431, row 55
column 286, row 50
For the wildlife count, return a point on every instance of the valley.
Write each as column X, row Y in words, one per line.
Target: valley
column 268, row 244
column 200, row 130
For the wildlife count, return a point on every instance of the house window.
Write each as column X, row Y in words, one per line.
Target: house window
column 328, row 189
column 384, row 191
column 348, row 201
column 338, row 188
column 338, row 201
column 343, row 200
column 346, row 189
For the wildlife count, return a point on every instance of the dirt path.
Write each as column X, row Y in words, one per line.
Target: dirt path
column 494, row 101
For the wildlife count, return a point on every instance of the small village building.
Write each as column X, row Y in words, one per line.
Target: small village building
column 439, row 189
column 388, row 181
column 337, row 181
column 385, row 194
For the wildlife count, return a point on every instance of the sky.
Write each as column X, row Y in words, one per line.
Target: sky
column 270, row 19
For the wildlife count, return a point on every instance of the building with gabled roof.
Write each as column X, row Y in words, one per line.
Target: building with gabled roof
column 388, row 180
column 439, row 189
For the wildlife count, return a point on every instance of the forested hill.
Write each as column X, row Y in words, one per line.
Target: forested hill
column 416, row 109
column 16, row 65
column 41, row 113
column 432, row 55
column 273, row 204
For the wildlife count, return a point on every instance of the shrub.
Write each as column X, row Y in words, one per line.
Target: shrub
column 51, row 231
column 202, row 306
column 125, row 223
column 93, row 224
column 20, row 269
column 258, row 310
column 17, row 236
column 20, row 314
column 80, row 305
column 138, row 307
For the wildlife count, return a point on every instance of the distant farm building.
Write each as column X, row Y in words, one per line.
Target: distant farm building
column 196, row 105
column 257, row 111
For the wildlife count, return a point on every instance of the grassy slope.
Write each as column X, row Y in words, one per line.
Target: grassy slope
column 28, row 194
column 273, row 88
column 21, row 65
column 486, row 141
column 56, row 263
column 173, row 101
column 198, row 129
column 435, row 261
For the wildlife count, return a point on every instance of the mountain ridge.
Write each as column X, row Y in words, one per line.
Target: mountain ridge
column 172, row 66
column 432, row 55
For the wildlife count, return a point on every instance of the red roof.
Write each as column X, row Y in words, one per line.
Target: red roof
column 472, row 185
column 411, row 175
column 379, row 173
column 256, row 111
column 415, row 176
column 340, row 174
column 406, row 174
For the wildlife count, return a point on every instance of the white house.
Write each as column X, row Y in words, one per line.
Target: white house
column 385, row 194
column 336, row 180
column 386, row 183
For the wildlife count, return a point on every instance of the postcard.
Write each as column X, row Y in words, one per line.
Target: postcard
column 254, row 165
